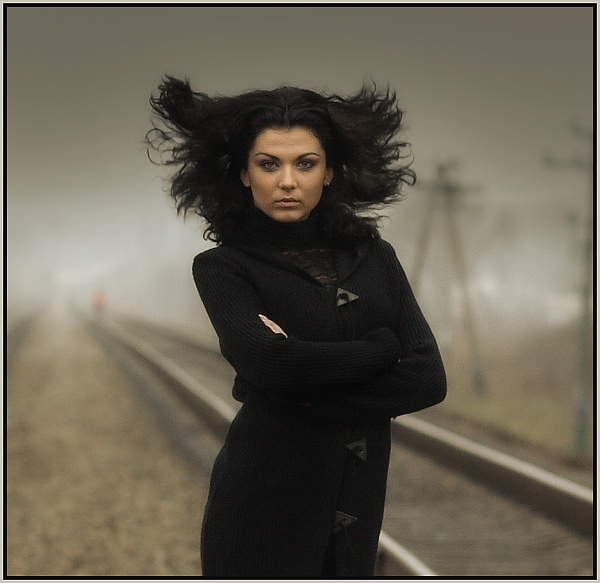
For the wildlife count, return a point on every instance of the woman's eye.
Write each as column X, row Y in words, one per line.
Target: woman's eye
column 268, row 165
column 307, row 164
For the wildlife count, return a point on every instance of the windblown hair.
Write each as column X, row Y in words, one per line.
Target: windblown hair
column 208, row 140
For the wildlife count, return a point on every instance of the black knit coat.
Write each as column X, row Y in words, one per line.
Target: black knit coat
column 298, row 489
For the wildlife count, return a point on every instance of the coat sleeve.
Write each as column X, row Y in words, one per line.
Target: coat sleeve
column 415, row 382
column 270, row 361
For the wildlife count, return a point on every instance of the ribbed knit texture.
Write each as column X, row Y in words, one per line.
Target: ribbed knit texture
column 376, row 354
column 358, row 350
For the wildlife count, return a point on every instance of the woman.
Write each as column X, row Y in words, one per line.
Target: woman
column 312, row 310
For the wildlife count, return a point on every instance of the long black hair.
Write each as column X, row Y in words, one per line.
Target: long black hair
column 208, row 139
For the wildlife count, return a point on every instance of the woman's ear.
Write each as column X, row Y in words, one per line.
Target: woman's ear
column 244, row 178
column 328, row 176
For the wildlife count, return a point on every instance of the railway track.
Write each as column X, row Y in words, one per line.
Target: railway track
column 17, row 330
column 454, row 507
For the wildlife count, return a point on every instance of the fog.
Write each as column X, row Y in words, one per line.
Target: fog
column 493, row 89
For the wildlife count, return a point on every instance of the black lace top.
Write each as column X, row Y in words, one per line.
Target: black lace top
column 319, row 263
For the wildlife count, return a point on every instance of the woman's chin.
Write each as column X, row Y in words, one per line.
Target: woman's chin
column 290, row 215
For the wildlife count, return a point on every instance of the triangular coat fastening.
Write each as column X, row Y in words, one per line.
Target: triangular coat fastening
column 359, row 448
column 342, row 520
column 345, row 297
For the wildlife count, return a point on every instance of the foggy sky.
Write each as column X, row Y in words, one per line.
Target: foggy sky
column 492, row 87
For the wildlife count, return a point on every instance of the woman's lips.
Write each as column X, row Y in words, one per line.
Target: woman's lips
column 287, row 202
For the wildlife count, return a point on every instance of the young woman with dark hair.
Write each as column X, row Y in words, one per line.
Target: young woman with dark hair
column 313, row 311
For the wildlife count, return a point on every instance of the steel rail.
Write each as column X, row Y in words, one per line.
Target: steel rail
column 560, row 499
column 563, row 500
column 219, row 414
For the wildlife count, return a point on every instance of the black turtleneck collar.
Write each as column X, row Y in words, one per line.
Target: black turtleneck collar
column 265, row 238
column 260, row 230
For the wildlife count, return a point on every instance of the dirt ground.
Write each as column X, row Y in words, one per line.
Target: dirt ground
column 95, row 487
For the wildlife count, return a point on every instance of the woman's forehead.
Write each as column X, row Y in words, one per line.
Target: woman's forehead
column 292, row 139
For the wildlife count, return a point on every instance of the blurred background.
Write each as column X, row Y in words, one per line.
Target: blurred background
column 496, row 237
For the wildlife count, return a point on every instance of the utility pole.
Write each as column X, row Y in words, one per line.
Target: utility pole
column 584, row 388
column 444, row 194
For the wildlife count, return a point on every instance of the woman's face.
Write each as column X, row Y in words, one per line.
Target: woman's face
column 287, row 169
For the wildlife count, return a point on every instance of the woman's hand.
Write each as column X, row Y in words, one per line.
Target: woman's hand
column 272, row 325
column 277, row 329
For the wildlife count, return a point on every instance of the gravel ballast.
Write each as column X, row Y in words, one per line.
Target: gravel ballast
column 95, row 485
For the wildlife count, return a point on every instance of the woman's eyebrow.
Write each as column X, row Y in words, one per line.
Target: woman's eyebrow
column 277, row 157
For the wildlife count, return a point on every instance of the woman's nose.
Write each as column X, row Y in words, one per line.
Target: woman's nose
column 287, row 180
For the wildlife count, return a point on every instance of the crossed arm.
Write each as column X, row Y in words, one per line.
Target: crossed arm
column 385, row 373
column 265, row 356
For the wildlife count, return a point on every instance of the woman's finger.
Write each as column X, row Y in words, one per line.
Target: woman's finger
column 272, row 325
